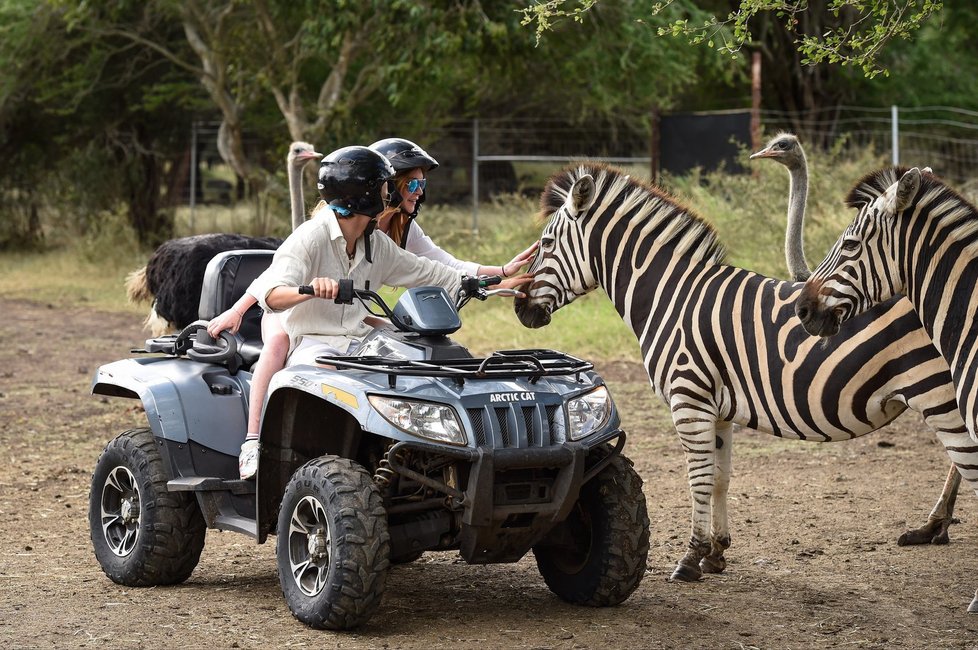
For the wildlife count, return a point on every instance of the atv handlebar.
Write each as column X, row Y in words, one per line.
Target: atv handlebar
column 470, row 287
column 344, row 296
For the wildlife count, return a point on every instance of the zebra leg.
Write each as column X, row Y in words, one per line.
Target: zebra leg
column 719, row 531
column 935, row 530
column 697, row 430
column 973, row 607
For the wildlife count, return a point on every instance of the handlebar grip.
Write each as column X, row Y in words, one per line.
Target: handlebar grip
column 489, row 280
column 344, row 295
column 307, row 290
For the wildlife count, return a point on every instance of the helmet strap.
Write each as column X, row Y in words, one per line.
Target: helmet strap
column 407, row 229
column 366, row 239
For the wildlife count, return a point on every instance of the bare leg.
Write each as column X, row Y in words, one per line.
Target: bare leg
column 935, row 530
column 274, row 352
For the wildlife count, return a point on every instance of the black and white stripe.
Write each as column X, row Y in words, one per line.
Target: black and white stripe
column 722, row 344
column 918, row 238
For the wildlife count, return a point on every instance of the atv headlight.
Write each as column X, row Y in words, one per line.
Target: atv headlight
column 587, row 413
column 423, row 419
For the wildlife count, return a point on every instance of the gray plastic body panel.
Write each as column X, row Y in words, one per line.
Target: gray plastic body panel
column 184, row 399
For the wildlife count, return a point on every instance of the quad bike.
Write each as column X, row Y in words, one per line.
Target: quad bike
column 408, row 444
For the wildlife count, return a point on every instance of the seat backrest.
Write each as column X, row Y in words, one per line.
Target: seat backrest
column 226, row 278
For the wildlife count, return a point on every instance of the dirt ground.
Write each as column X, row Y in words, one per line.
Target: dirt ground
column 814, row 561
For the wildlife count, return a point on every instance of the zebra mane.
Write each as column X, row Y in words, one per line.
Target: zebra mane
column 689, row 234
column 871, row 186
column 939, row 200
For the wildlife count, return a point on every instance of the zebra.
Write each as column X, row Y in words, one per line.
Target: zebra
column 722, row 345
column 919, row 239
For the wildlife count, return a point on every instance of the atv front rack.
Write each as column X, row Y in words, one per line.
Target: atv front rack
column 500, row 365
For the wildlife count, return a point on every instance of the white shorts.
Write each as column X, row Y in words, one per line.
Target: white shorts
column 309, row 348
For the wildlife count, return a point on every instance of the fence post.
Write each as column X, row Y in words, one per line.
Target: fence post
column 895, row 132
column 193, row 173
column 475, row 176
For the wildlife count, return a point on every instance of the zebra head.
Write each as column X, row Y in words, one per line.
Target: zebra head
column 560, row 269
column 861, row 269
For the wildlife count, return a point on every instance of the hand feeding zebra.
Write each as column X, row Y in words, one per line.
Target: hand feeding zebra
column 722, row 345
column 919, row 239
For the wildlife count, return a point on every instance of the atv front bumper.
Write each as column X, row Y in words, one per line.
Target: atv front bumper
column 506, row 511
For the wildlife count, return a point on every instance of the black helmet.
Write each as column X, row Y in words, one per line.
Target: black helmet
column 353, row 178
column 404, row 154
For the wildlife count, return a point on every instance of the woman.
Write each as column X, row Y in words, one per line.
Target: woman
column 410, row 163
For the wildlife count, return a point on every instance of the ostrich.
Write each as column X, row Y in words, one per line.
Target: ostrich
column 172, row 277
column 300, row 154
column 786, row 149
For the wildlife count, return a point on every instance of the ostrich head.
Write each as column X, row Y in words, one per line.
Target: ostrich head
column 301, row 153
column 784, row 148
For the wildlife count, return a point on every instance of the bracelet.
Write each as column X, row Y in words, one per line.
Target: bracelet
column 240, row 315
column 503, row 269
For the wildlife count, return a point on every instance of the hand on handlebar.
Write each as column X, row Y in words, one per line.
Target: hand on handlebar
column 321, row 288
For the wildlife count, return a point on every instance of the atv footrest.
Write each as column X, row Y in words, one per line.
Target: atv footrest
column 210, row 484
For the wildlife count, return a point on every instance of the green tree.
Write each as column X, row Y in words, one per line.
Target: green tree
column 849, row 32
column 76, row 115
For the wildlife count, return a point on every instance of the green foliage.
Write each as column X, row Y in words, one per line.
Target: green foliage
column 747, row 211
column 862, row 29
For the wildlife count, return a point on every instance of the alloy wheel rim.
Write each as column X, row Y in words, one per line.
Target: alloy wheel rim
column 309, row 545
column 119, row 511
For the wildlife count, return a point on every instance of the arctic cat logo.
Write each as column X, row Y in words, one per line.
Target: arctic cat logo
column 511, row 397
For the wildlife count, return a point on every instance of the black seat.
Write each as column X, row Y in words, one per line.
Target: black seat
column 226, row 278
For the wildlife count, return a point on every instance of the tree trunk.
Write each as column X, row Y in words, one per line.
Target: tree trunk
column 152, row 225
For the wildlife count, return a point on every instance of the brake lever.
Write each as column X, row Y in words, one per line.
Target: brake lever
column 507, row 293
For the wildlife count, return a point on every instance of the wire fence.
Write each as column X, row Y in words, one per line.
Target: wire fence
column 484, row 158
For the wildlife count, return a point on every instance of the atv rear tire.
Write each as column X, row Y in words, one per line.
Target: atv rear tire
column 333, row 547
column 599, row 557
column 142, row 534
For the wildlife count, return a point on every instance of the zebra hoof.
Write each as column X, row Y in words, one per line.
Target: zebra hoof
column 685, row 573
column 711, row 564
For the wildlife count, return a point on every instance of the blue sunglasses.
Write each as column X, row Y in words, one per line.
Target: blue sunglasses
column 415, row 183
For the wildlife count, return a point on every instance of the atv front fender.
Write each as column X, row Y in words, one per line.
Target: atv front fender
column 183, row 399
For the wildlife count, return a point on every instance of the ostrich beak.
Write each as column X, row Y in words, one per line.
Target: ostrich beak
column 763, row 153
column 309, row 155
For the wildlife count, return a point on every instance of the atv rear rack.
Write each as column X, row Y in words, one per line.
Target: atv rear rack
column 507, row 363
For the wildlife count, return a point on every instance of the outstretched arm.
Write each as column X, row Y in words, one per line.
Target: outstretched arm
column 513, row 266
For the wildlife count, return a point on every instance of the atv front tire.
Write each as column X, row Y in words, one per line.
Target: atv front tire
column 598, row 557
column 333, row 547
column 142, row 534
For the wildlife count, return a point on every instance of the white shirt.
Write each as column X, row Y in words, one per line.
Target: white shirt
column 421, row 245
column 317, row 248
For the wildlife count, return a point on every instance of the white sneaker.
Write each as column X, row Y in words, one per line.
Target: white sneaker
column 248, row 459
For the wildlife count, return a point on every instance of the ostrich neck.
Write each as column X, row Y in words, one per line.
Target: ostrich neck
column 295, row 196
column 794, row 238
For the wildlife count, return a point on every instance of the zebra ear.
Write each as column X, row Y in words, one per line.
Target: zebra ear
column 581, row 196
column 898, row 196
column 907, row 188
